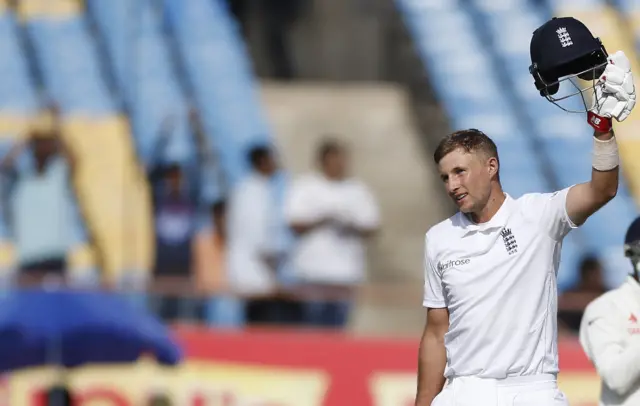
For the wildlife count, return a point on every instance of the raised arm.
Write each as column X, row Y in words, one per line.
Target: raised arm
column 432, row 356
column 585, row 199
column 615, row 97
column 57, row 130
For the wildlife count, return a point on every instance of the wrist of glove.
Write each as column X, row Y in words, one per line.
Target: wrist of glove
column 599, row 123
column 615, row 95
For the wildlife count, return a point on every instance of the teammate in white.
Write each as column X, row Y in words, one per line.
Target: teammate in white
column 610, row 333
column 490, row 270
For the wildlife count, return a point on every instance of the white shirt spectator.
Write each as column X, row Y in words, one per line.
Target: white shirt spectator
column 498, row 280
column 610, row 336
column 251, row 225
column 327, row 254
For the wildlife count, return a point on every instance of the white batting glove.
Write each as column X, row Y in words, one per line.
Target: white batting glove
column 615, row 94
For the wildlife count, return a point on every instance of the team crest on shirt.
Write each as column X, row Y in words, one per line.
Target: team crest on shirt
column 509, row 240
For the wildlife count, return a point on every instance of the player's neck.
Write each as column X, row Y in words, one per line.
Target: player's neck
column 496, row 199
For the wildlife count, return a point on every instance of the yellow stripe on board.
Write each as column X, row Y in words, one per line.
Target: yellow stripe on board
column 32, row 9
column 113, row 194
column 605, row 23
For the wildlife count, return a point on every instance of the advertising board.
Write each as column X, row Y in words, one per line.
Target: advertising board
column 271, row 368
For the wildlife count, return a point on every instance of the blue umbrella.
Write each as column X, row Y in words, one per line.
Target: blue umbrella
column 73, row 328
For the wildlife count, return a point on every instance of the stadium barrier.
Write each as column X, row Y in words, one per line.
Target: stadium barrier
column 270, row 368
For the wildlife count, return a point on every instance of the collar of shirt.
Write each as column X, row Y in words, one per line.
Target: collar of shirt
column 499, row 220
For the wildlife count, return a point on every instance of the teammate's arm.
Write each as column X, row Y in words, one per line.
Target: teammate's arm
column 432, row 357
column 617, row 365
column 585, row 199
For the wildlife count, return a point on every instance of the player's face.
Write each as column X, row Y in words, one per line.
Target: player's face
column 467, row 179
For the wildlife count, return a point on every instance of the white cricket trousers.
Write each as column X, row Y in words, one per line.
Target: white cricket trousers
column 537, row 390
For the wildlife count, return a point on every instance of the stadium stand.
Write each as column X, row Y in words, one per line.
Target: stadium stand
column 17, row 104
column 18, row 111
column 110, row 187
column 605, row 230
column 375, row 121
column 471, row 87
column 568, row 132
column 224, row 93
column 140, row 62
column 630, row 10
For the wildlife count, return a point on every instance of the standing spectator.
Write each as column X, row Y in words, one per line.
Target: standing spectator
column 252, row 254
column 210, row 253
column 59, row 395
column 571, row 304
column 180, row 226
column 176, row 211
column 159, row 399
column 41, row 201
column 332, row 215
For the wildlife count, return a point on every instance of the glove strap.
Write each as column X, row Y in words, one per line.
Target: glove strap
column 599, row 123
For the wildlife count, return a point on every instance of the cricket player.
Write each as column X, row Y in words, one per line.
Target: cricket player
column 490, row 270
column 610, row 333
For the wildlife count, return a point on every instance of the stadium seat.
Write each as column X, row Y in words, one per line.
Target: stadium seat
column 50, row 9
column 564, row 139
column 141, row 63
column 111, row 188
column 17, row 95
column 472, row 92
column 69, row 65
column 114, row 195
column 225, row 93
column 606, row 23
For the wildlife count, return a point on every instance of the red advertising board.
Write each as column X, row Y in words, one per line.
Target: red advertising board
column 274, row 368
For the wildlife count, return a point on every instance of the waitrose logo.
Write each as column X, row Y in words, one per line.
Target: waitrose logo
column 443, row 266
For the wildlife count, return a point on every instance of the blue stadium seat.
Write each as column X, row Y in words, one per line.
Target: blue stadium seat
column 565, row 139
column 17, row 95
column 225, row 93
column 69, row 65
column 141, row 64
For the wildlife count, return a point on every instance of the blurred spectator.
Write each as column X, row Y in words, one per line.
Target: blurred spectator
column 572, row 303
column 219, row 217
column 210, row 253
column 175, row 212
column 159, row 399
column 253, row 255
column 332, row 214
column 184, row 254
column 40, row 198
column 59, row 396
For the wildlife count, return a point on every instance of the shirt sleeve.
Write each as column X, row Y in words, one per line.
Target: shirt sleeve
column 367, row 214
column 550, row 211
column 433, row 292
column 617, row 362
column 297, row 207
column 248, row 220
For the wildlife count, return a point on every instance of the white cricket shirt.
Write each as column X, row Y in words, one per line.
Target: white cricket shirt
column 498, row 280
column 251, row 225
column 326, row 254
column 610, row 336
